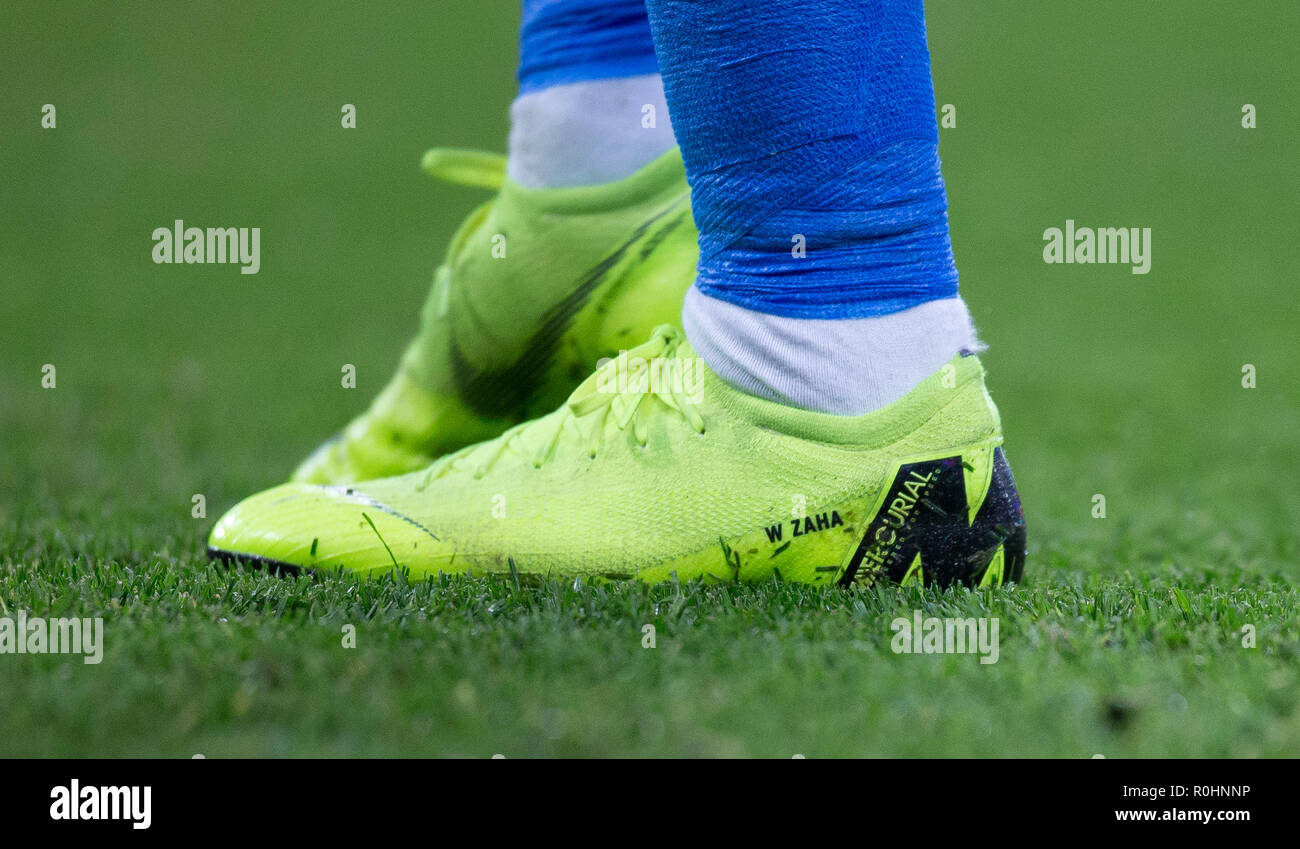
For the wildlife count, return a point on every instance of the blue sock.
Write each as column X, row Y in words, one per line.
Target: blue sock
column 816, row 120
column 568, row 41
column 587, row 72
column 811, row 145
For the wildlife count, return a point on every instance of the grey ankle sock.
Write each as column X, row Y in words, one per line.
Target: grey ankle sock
column 846, row 366
column 585, row 133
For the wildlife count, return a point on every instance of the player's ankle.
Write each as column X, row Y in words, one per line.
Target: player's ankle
column 844, row 366
column 589, row 132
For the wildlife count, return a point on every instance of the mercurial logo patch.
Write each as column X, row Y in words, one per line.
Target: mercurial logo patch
column 923, row 531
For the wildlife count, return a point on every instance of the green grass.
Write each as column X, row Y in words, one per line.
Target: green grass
column 1124, row 640
column 238, row 663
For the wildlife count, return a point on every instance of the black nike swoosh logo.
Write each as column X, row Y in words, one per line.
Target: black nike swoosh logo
column 504, row 392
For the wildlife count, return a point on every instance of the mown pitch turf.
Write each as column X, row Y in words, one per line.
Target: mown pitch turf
column 202, row 661
column 1167, row 627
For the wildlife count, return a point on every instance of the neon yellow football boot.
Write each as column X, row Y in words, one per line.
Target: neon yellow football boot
column 537, row 285
column 655, row 467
